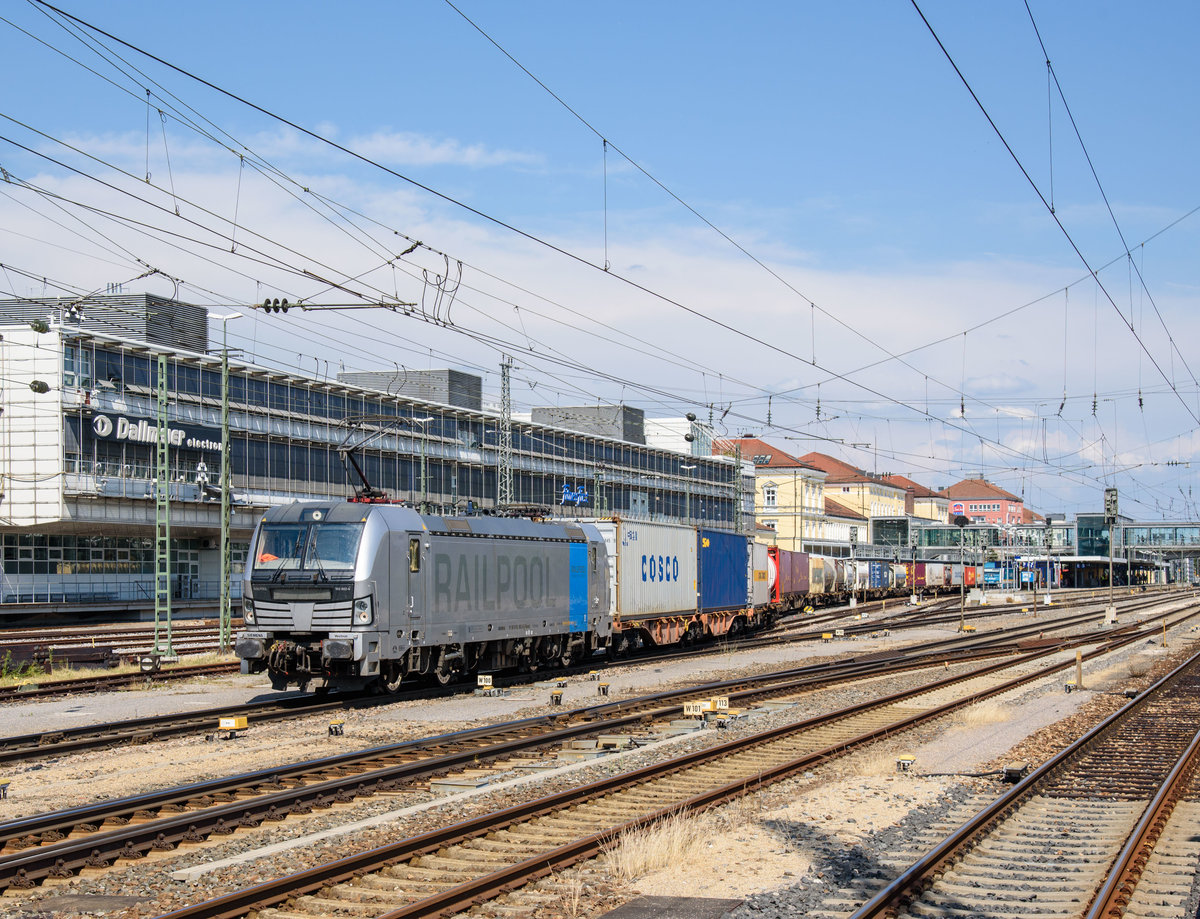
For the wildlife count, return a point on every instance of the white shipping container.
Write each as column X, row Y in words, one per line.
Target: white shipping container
column 862, row 575
column 936, row 574
column 652, row 568
column 760, row 577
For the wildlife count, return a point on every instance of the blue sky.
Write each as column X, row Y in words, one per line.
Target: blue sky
column 833, row 142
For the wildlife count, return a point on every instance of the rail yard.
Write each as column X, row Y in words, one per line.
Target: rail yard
column 822, row 768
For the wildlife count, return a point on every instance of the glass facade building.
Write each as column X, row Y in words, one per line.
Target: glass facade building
column 78, row 469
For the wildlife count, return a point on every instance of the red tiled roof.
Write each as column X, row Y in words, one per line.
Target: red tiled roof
column 841, row 473
column 918, row 490
column 833, row 509
column 969, row 489
column 761, row 453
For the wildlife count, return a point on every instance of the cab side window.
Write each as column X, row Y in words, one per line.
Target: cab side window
column 414, row 555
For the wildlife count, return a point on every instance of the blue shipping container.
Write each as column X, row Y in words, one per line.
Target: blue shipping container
column 878, row 575
column 724, row 569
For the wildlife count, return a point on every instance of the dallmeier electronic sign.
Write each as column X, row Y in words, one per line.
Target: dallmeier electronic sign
column 141, row 431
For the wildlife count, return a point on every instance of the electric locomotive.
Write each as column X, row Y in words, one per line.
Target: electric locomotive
column 361, row 595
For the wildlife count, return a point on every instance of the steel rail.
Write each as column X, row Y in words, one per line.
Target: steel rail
column 917, row 876
column 59, row 859
column 1126, row 871
column 67, row 822
column 138, row 730
column 271, row 893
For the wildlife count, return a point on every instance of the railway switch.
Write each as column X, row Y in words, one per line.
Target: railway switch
column 337, row 728
column 602, row 689
column 905, row 762
column 556, row 697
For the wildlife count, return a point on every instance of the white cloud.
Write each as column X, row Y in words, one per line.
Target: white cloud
column 403, row 148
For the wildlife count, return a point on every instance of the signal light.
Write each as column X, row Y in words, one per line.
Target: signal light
column 276, row 305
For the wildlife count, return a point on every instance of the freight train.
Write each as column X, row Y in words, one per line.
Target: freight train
column 363, row 595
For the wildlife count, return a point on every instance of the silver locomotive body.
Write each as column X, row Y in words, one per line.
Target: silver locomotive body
column 358, row 595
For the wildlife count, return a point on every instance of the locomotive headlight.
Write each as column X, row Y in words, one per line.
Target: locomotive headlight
column 364, row 611
column 248, row 610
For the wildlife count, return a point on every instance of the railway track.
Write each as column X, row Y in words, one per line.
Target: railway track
column 26, row 860
column 452, row 869
column 1074, row 837
column 794, row 627
column 56, row 844
column 103, row 646
column 106, row 682
column 142, row 730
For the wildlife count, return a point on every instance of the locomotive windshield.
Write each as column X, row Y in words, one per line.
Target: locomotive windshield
column 326, row 548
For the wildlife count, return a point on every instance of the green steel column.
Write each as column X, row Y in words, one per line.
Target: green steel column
column 162, row 520
column 226, row 551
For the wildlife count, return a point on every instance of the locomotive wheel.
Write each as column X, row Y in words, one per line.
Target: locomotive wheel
column 395, row 677
column 444, row 672
column 531, row 659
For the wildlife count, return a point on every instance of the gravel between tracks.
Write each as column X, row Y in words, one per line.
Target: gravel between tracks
column 786, row 850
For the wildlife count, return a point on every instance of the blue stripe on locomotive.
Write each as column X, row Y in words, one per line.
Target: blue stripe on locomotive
column 723, row 562
column 579, row 587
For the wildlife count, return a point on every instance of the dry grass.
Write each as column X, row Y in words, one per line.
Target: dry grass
column 12, row 675
column 870, row 763
column 981, row 714
column 570, row 889
column 1139, row 666
column 673, row 840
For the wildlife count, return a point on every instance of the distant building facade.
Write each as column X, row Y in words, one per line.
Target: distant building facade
column 857, row 490
column 921, row 501
column 788, row 494
column 980, row 501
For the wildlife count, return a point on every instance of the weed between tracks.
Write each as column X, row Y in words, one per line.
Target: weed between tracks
column 981, row 714
column 16, row 674
column 676, row 838
column 12, row 674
